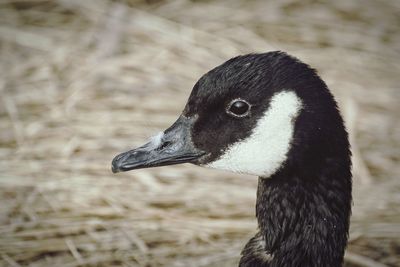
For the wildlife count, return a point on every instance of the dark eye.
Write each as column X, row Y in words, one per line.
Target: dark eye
column 238, row 108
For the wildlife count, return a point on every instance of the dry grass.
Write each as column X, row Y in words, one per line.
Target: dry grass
column 83, row 80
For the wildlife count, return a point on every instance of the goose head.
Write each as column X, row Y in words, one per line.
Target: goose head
column 254, row 114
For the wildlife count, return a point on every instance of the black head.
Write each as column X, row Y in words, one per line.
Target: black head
column 253, row 114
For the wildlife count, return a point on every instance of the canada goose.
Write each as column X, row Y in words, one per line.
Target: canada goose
column 268, row 115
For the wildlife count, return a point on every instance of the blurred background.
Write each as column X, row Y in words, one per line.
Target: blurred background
column 82, row 80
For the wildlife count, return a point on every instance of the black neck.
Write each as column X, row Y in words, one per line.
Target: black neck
column 303, row 221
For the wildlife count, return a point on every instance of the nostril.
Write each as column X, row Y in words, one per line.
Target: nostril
column 164, row 145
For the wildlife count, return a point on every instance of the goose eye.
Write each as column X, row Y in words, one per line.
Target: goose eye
column 238, row 108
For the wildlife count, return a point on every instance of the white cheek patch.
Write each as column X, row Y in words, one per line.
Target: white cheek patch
column 265, row 150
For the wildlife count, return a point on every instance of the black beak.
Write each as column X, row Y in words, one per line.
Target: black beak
column 174, row 146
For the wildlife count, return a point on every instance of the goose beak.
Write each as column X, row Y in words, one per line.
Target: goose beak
column 173, row 146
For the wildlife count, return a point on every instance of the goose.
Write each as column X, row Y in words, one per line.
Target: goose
column 268, row 115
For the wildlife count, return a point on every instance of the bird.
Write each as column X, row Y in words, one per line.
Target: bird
column 269, row 115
